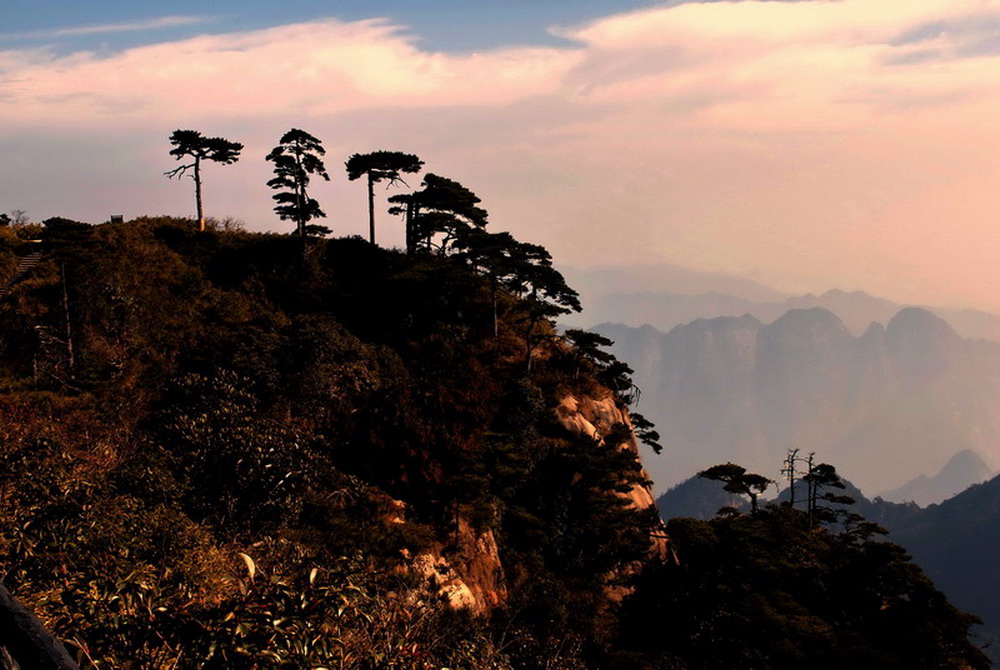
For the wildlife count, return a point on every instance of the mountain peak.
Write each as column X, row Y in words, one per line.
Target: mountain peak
column 960, row 472
column 875, row 330
column 917, row 320
column 840, row 293
column 813, row 320
column 966, row 463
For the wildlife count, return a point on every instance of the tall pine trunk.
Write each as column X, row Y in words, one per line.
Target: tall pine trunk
column 411, row 240
column 197, row 193
column 371, row 208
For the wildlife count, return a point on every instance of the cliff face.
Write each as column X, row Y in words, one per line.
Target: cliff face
column 594, row 418
column 471, row 574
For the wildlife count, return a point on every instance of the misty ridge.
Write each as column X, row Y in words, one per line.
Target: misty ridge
column 889, row 405
column 665, row 296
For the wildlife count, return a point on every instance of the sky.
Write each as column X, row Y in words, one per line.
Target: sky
column 808, row 145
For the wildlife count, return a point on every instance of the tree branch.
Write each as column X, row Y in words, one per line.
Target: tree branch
column 178, row 171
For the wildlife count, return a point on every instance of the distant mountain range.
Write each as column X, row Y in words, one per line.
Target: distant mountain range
column 885, row 407
column 666, row 296
column 903, row 400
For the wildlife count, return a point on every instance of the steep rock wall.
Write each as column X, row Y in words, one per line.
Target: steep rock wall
column 595, row 417
column 471, row 575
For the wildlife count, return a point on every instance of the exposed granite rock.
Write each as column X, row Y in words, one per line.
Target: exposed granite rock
column 595, row 417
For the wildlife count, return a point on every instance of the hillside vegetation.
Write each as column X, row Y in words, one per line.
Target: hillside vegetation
column 235, row 450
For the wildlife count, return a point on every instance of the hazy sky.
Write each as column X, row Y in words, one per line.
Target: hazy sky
column 809, row 145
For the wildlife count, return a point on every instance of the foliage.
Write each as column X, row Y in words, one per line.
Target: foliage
column 522, row 269
column 295, row 159
column 768, row 591
column 288, row 615
column 193, row 145
column 16, row 217
column 645, row 430
column 236, row 463
column 738, row 480
column 440, row 214
column 381, row 166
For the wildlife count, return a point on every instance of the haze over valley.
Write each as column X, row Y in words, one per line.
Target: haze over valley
column 665, row 296
column 900, row 386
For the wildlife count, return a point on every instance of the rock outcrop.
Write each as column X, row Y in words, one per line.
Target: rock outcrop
column 470, row 575
column 595, row 418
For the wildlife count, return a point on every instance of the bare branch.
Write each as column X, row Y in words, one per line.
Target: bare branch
column 178, row 171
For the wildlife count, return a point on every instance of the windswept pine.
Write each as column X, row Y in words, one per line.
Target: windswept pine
column 296, row 160
column 192, row 145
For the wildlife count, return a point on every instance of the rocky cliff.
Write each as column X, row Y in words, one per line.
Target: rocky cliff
column 471, row 576
column 595, row 418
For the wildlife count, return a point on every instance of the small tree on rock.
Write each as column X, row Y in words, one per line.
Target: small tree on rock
column 521, row 268
column 15, row 217
column 192, row 144
column 821, row 476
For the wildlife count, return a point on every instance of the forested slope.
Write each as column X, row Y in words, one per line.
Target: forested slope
column 235, row 450
column 351, row 422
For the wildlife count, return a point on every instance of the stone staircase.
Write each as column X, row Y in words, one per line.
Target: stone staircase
column 25, row 265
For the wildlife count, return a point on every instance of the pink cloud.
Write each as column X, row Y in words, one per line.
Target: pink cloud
column 313, row 68
column 804, row 142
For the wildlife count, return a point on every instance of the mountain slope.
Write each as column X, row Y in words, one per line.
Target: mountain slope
column 956, row 542
column 960, row 472
column 239, row 451
column 218, row 449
